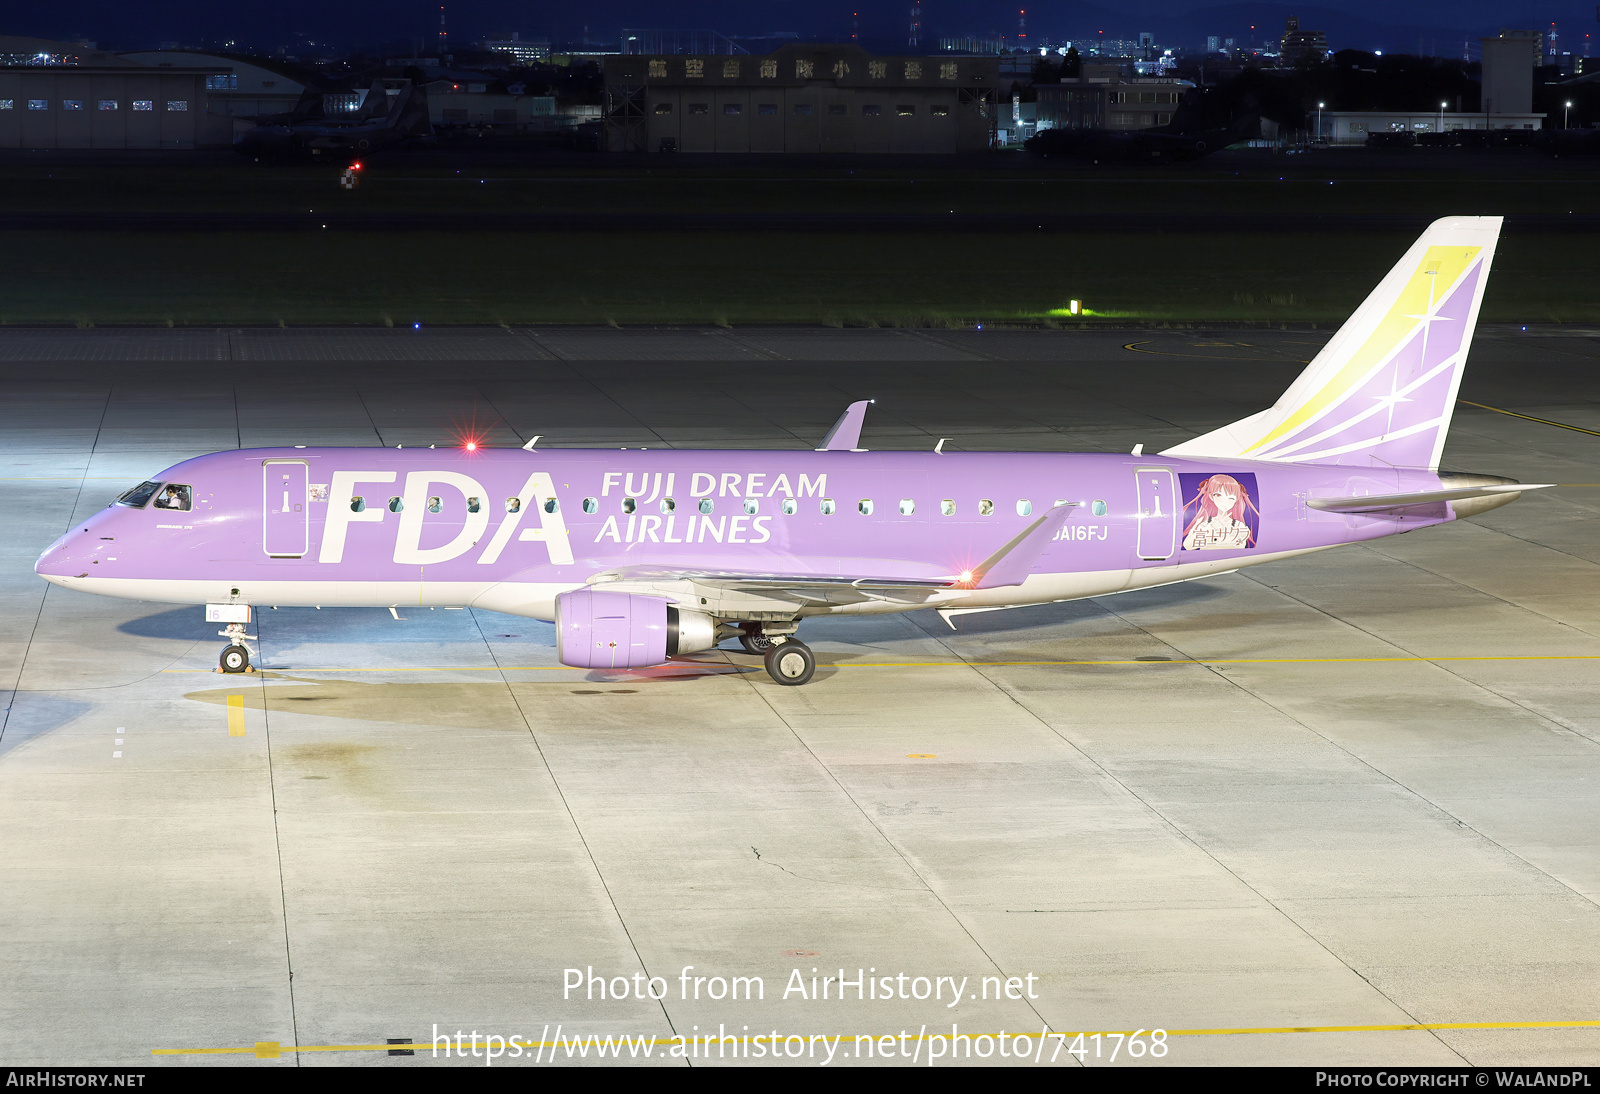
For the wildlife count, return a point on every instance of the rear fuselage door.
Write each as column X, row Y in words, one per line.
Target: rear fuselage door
column 285, row 528
column 1158, row 513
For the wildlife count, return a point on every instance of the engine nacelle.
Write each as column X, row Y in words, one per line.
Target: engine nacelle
column 597, row 629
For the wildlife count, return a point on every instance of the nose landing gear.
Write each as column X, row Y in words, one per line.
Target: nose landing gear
column 235, row 655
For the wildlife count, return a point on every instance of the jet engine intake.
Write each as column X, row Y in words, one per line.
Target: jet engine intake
column 597, row 629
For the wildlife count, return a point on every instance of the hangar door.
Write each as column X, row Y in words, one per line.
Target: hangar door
column 285, row 528
column 1158, row 515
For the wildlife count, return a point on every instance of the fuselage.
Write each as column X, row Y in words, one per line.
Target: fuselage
column 509, row 529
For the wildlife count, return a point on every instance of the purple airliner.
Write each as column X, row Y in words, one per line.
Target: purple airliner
column 641, row 556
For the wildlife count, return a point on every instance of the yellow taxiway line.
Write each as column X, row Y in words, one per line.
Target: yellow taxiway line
column 989, row 664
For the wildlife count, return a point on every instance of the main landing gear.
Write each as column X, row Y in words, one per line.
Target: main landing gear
column 789, row 662
column 755, row 641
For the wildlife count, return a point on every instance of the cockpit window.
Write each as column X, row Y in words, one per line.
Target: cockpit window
column 140, row 495
column 173, row 496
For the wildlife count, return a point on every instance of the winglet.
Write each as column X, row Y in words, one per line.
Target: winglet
column 845, row 436
column 1010, row 564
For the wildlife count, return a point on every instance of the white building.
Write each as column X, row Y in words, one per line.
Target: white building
column 526, row 51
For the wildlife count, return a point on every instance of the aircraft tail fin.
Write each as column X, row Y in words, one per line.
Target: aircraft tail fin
column 1382, row 391
column 375, row 104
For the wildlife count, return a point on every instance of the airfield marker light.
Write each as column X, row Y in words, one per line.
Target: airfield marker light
column 416, row 326
column 1075, row 307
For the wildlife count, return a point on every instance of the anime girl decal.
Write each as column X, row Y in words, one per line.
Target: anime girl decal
column 1221, row 513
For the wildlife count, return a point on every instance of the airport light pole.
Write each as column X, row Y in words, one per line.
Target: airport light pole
column 1441, row 115
column 1319, row 119
column 1566, row 109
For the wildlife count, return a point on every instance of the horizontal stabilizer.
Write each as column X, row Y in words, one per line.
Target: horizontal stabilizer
column 1381, row 503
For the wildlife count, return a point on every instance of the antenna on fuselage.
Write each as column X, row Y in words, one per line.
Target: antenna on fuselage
column 529, row 446
column 938, row 449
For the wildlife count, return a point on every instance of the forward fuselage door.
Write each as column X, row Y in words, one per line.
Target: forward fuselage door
column 1158, row 513
column 285, row 516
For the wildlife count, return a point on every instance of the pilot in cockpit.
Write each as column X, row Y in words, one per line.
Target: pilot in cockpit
column 174, row 497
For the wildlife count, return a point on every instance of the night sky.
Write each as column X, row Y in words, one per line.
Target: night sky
column 1436, row 26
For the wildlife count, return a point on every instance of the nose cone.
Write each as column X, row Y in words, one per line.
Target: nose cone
column 67, row 559
column 56, row 564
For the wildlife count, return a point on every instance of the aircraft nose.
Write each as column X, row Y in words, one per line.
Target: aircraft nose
column 60, row 560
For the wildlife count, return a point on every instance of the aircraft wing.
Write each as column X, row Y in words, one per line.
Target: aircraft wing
column 1010, row 565
column 790, row 588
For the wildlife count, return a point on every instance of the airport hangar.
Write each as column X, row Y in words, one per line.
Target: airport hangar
column 801, row 98
column 56, row 95
column 1355, row 789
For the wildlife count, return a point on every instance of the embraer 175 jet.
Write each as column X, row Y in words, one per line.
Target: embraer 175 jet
column 641, row 556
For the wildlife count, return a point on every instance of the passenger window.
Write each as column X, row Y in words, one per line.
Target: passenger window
column 827, row 507
column 864, row 507
column 907, row 507
column 513, row 505
column 175, row 497
column 1098, row 508
column 985, row 508
column 629, row 505
column 396, row 504
column 668, row 505
column 947, row 508
column 474, row 505
column 790, row 507
column 1024, row 508
column 140, row 495
column 591, row 505
column 552, row 505
column 751, row 506
column 435, row 505
column 358, row 504
column 705, row 506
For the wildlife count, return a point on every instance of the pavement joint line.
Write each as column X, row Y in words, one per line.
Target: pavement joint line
column 272, row 1049
column 987, row 664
